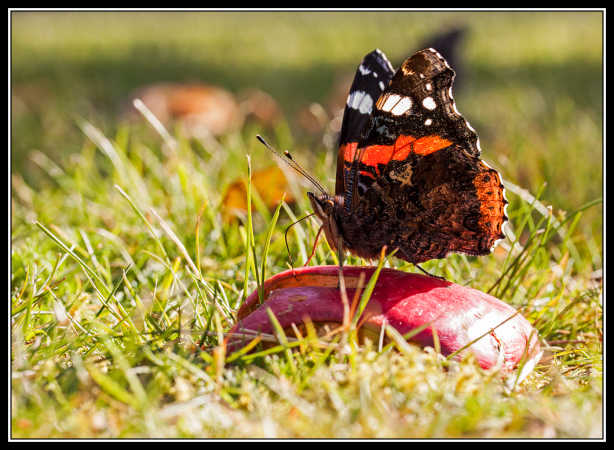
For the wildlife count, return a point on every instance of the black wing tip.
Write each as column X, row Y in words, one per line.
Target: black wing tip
column 380, row 57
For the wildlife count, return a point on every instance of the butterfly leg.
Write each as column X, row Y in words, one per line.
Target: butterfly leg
column 313, row 250
column 286, row 240
column 429, row 274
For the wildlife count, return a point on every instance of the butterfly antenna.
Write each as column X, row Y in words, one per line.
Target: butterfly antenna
column 287, row 158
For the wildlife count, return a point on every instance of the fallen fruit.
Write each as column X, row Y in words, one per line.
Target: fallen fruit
column 199, row 107
column 463, row 318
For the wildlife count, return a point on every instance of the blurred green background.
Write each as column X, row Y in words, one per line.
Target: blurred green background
column 136, row 215
column 531, row 81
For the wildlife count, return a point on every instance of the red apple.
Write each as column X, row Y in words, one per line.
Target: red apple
column 405, row 301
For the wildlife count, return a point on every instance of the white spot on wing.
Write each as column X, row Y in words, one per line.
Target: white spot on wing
column 363, row 70
column 392, row 100
column 361, row 101
column 429, row 103
column 428, row 86
column 381, row 85
column 402, row 106
column 428, row 122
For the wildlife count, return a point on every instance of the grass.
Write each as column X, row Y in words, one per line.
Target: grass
column 124, row 277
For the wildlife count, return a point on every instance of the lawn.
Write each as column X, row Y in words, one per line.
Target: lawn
column 125, row 275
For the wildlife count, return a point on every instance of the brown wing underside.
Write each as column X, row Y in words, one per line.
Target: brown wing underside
column 428, row 206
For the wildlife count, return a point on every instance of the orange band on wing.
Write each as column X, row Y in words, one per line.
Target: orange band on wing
column 348, row 151
column 430, row 144
column 399, row 151
column 377, row 154
column 403, row 147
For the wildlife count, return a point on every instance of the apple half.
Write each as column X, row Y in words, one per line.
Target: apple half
column 464, row 319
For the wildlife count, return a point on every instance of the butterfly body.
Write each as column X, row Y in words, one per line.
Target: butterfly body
column 409, row 173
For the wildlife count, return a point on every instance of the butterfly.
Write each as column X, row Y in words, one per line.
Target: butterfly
column 409, row 175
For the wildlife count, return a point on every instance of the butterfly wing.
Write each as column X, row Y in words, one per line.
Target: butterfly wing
column 371, row 79
column 418, row 102
column 417, row 182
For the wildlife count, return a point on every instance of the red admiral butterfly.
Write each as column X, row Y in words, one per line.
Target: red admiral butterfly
column 409, row 175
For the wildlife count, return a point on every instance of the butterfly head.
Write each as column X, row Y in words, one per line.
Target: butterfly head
column 324, row 206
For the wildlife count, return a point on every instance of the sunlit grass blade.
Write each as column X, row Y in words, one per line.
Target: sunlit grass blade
column 281, row 336
column 406, row 337
column 249, row 233
column 243, row 350
column 267, row 244
column 89, row 271
column 136, row 209
column 368, row 291
column 111, row 387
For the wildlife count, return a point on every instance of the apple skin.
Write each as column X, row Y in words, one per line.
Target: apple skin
column 404, row 301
